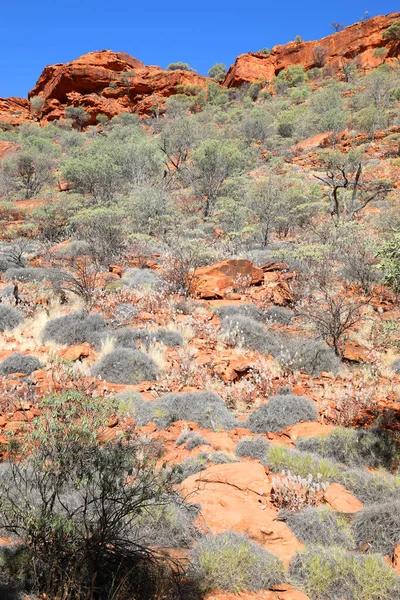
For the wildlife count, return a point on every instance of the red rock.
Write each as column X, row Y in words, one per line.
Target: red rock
column 355, row 352
column 217, row 280
column 317, row 141
column 396, row 558
column 109, row 83
column 116, row 269
column 358, row 40
column 75, row 352
column 14, row 111
column 6, row 147
column 236, row 496
column 341, row 499
column 308, row 429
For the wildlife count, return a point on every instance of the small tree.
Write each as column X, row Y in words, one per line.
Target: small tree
column 77, row 504
column 392, row 33
column 389, row 263
column 349, row 193
column 180, row 66
column 217, row 72
column 27, row 172
column 78, row 115
column 103, row 232
column 37, row 103
column 213, row 162
column 337, row 26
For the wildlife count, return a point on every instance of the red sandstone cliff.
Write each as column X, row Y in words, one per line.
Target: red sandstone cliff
column 356, row 42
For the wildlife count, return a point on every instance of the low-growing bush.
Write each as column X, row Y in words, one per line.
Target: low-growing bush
column 293, row 492
column 281, row 412
column 322, row 526
column 232, row 562
column 206, row 409
column 333, row 573
column 246, row 310
column 242, row 330
column 126, row 366
column 378, row 527
column 280, row 458
column 10, row 318
column 354, row 447
column 19, row 363
column 74, row 328
column 395, row 366
column 31, row 274
column 278, row 314
column 311, row 356
column 191, row 440
column 142, row 278
column 168, row 337
column 256, row 448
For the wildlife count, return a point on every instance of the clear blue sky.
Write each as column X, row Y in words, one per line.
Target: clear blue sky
column 34, row 34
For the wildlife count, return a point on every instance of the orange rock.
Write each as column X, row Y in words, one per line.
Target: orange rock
column 354, row 352
column 236, row 496
column 86, row 82
column 14, row 111
column 75, row 352
column 358, row 40
column 217, row 280
column 341, row 499
column 308, row 429
column 6, row 147
column 396, row 558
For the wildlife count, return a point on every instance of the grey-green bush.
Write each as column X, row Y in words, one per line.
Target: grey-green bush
column 278, row 314
column 281, row 412
column 354, row 447
column 246, row 310
column 332, row 574
column 31, row 274
column 19, row 363
column 256, row 448
column 395, row 366
column 322, row 526
column 191, row 440
column 379, row 527
column 240, row 329
column 10, row 318
column 232, row 562
column 126, row 366
column 311, row 356
column 75, row 328
column 142, row 278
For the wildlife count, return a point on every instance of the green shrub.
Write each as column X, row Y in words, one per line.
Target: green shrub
column 311, row 356
column 280, row 458
column 278, row 314
column 31, row 274
column 180, row 66
column 10, row 318
column 142, row 278
column 231, row 562
column 191, row 439
column 392, row 33
column 253, row 447
column 242, row 330
column 332, row 573
column 74, row 328
column 19, row 363
column 354, row 447
column 246, row 310
column 126, row 366
column 320, row 526
column 281, row 412
column 378, row 526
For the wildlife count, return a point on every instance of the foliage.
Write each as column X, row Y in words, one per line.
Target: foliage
column 231, row 562
column 127, row 366
column 217, row 72
column 281, row 412
column 320, row 526
column 389, row 263
column 74, row 328
column 293, row 493
column 10, row 318
column 19, row 363
column 253, row 447
column 392, row 33
column 378, row 527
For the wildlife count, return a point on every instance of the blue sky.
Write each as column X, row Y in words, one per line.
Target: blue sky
column 34, row 34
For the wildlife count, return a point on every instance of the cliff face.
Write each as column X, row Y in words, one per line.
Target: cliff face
column 14, row 111
column 109, row 83
column 356, row 42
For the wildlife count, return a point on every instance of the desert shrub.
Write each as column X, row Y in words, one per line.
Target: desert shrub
column 281, row 412
column 191, row 439
column 370, row 488
column 132, row 404
column 126, row 366
column 293, row 492
column 30, row 274
column 379, row 527
column 9, row 318
column 322, row 526
column 256, row 448
column 19, row 363
column 124, row 312
column 127, row 337
column 141, row 278
column 232, row 562
column 206, row 409
column 395, row 366
column 74, row 328
column 72, row 250
column 333, row 573
column 246, row 310
column 278, row 314
column 354, row 447
column 83, row 524
column 169, row 525
column 168, row 337
column 311, row 356
column 280, row 459
column 242, row 330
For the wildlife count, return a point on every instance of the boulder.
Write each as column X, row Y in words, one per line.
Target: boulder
column 341, row 499
column 216, row 281
column 14, row 111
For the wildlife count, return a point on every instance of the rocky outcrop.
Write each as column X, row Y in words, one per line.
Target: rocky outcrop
column 216, row 281
column 356, row 42
column 109, row 83
column 14, row 111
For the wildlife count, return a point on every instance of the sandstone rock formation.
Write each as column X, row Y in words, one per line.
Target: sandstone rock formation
column 109, row 83
column 14, row 111
column 217, row 280
column 356, row 42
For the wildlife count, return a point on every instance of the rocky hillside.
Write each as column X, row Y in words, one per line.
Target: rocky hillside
column 109, row 82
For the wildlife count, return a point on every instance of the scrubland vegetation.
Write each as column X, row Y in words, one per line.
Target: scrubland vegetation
column 103, row 231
